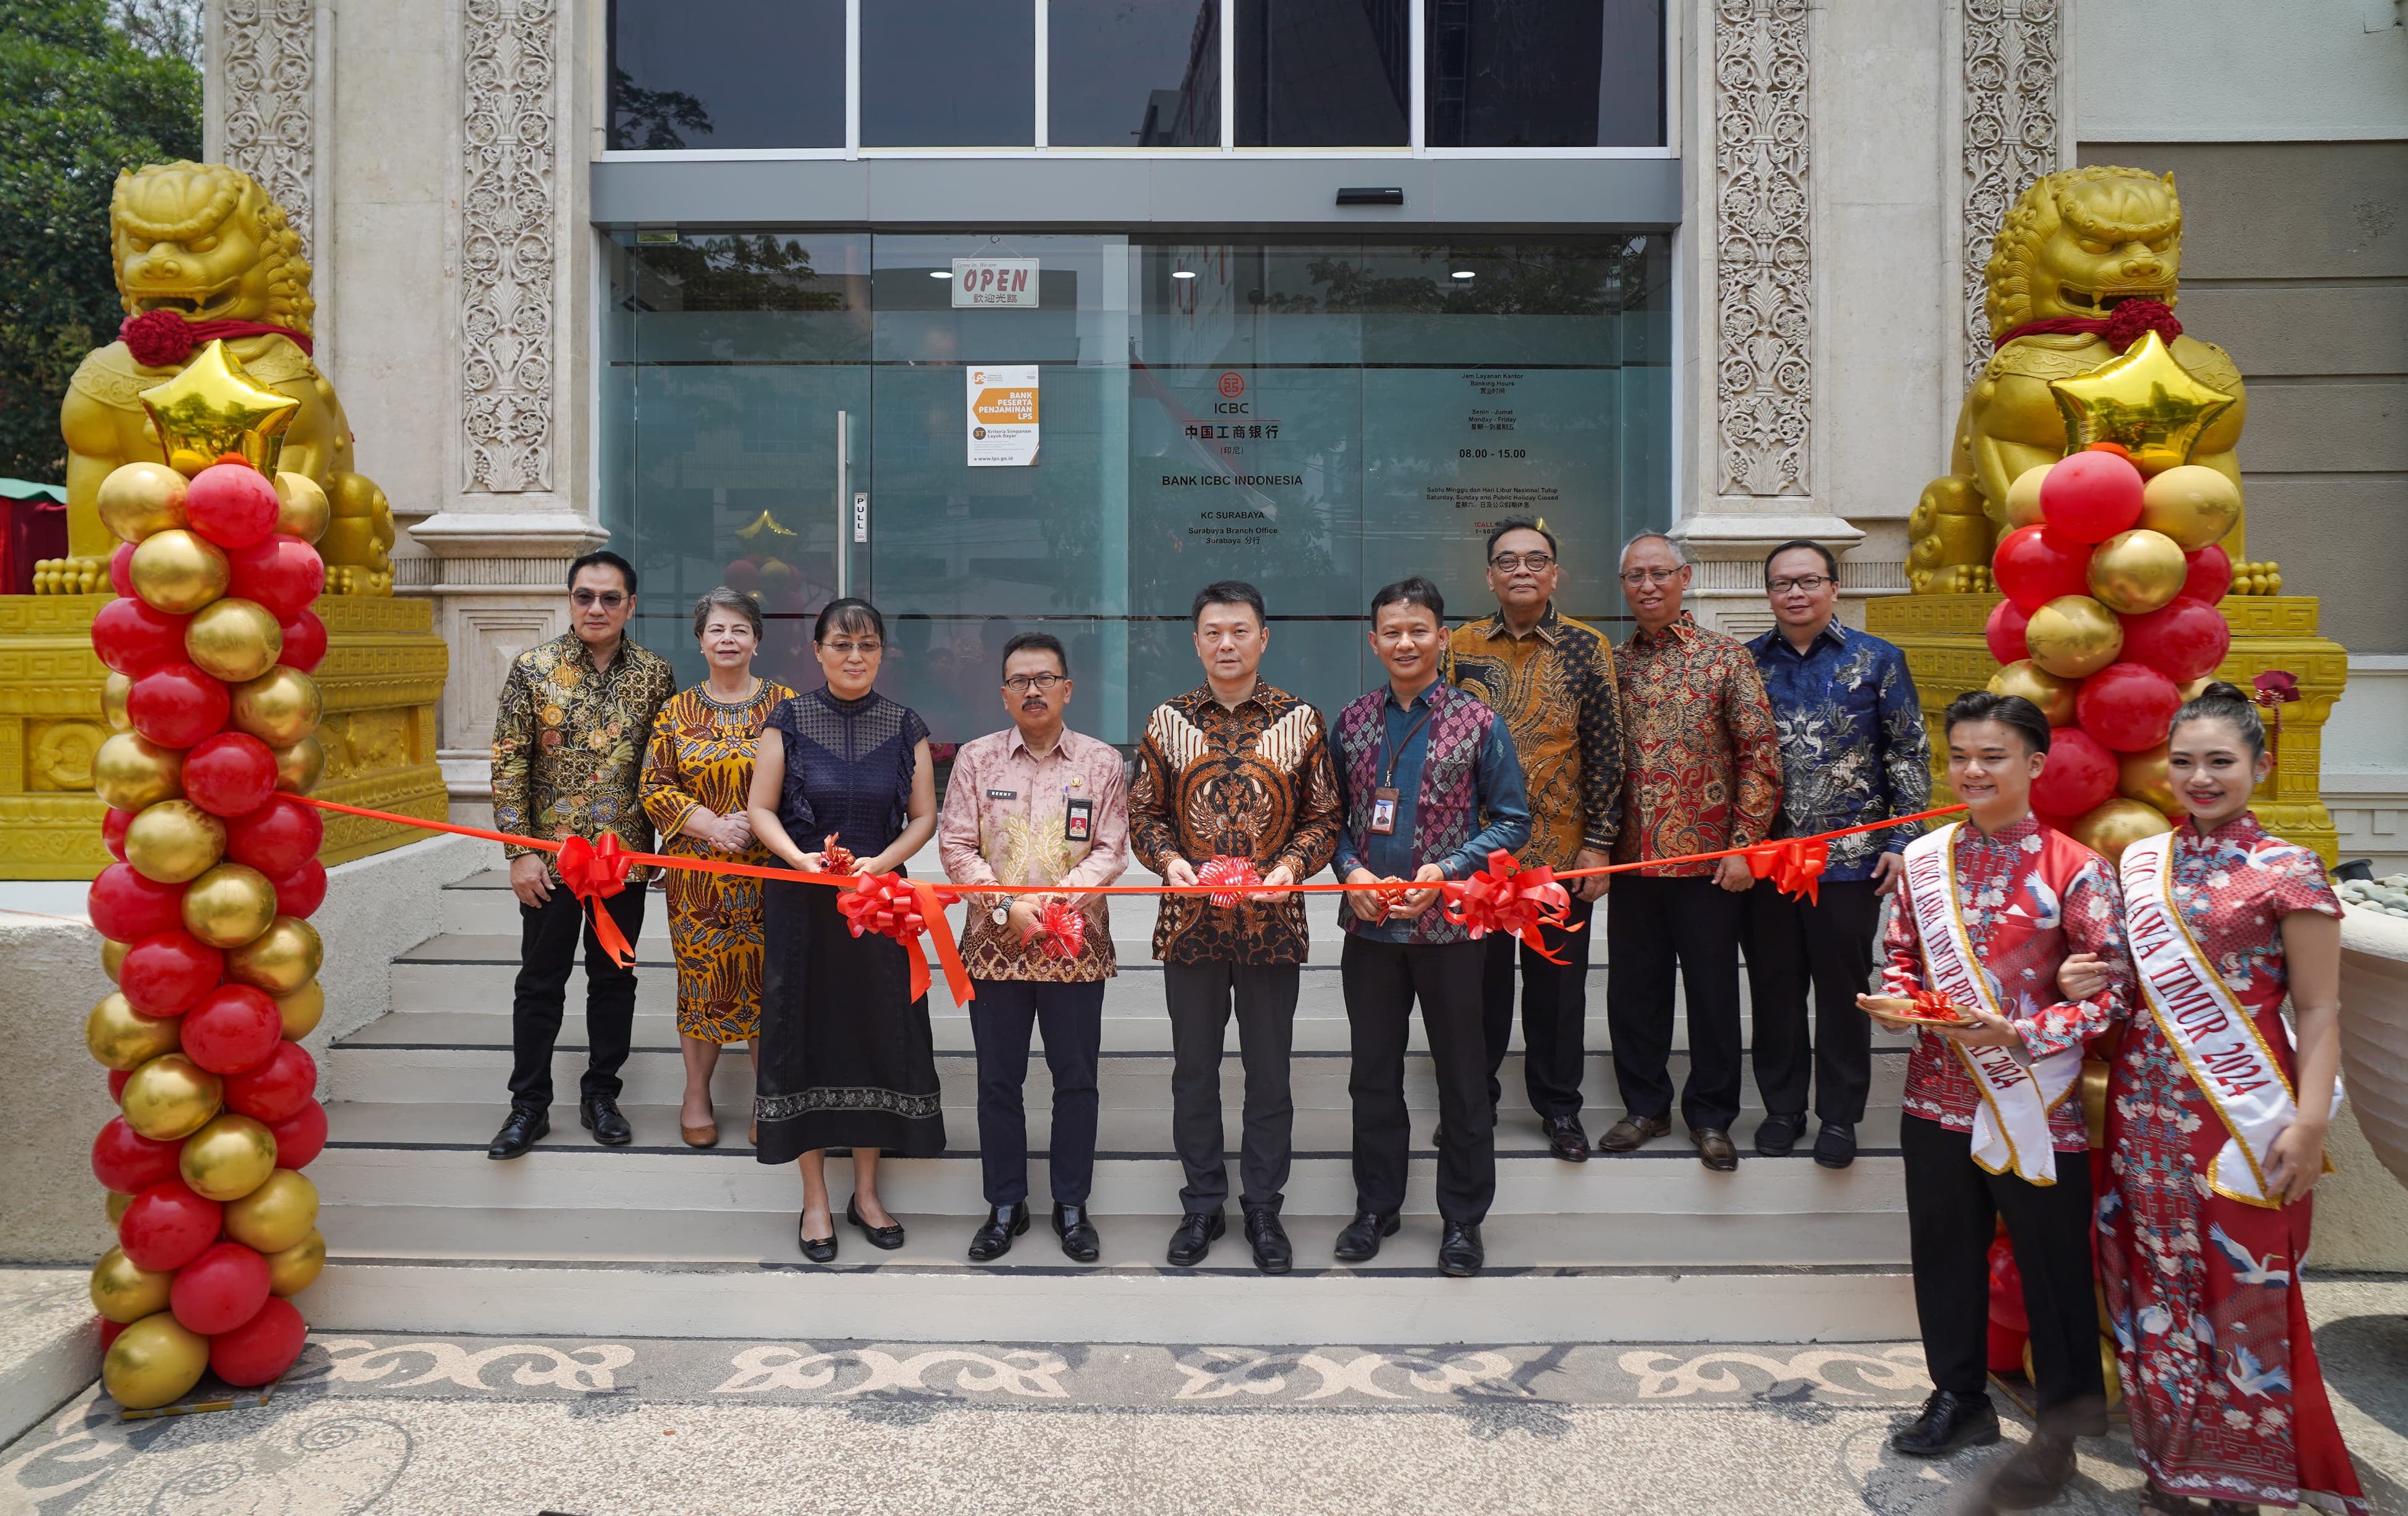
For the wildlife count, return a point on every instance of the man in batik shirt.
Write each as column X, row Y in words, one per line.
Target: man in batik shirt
column 1852, row 750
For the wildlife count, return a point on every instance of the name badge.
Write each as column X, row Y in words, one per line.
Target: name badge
column 1383, row 812
column 1079, row 822
column 1003, row 795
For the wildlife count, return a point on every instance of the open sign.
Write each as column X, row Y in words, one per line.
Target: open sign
column 1007, row 283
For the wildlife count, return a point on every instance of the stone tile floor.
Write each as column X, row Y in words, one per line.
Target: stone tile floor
column 431, row 1425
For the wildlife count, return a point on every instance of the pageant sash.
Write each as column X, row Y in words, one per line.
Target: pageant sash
column 2011, row 1130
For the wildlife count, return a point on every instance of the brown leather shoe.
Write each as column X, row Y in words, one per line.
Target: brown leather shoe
column 699, row 1136
column 1626, row 1135
column 1714, row 1149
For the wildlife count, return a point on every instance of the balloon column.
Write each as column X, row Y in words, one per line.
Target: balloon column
column 210, row 645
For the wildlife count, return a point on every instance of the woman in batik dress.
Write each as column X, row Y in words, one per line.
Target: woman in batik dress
column 696, row 775
column 2203, row 1287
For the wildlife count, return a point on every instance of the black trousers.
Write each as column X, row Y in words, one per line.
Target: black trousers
column 1199, row 997
column 1651, row 925
column 1829, row 944
column 1072, row 1017
column 1383, row 979
column 1555, row 1011
column 1952, row 1210
column 548, row 937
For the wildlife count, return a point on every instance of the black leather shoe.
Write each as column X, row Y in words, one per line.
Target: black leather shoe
column 1194, row 1238
column 524, row 1127
column 1077, row 1230
column 1777, row 1134
column 1626, row 1135
column 818, row 1250
column 600, row 1116
column 1273, row 1254
column 1948, row 1423
column 1459, row 1252
column 1714, row 1149
column 1566, row 1140
column 993, row 1239
column 1358, row 1240
column 888, row 1239
column 1835, row 1146
column 2035, row 1474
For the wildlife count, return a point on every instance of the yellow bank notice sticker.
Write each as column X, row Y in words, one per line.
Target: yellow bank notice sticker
column 1002, row 417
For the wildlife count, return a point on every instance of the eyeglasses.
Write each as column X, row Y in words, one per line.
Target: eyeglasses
column 1635, row 577
column 1808, row 582
column 607, row 599
column 1537, row 562
column 1030, row 683
column 846, row 650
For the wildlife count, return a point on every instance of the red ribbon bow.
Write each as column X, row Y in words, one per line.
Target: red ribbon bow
column 2121, row 327
column 1228, row 871
column 1507, row 897
column 593, row 872
column 1795, row 865
column 835, row 858
column 163, row 339
column 894, row 906
column 1061, row 930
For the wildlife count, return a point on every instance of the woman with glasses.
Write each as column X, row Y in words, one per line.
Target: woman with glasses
column 847, row 1059
column 698, row 780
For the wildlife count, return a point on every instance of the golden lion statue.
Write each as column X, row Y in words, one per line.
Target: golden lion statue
column 2076, row 246
column 201, row 251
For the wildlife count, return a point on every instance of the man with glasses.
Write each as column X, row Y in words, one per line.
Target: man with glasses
column 1853, row 749
column 1036, row 804
column 569, row 745
column 1701, row 772
column 1551, row 677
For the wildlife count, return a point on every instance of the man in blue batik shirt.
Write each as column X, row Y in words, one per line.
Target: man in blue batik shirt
column 1853, row 749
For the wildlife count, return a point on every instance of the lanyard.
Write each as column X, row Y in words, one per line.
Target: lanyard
column 1387, row 770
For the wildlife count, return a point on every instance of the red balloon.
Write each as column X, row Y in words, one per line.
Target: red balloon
column 167, row 974
column 2007, row 1290
column 132, row 639
column 2005, row 1349
column 125, row 906
column 168, row 1225
column 743, row 574
column 108, row 1330
column 305, row 641
column 175, row 705
column 2127, row 705
column 284, row 1082
column 301, row 892
column 283, row 573
column 232, row 505
column 231, row 774
column 2182, row 641
column 2080, row 773
column 219, row 1290
column 300, row 1136
column 2210, row 574
column 2005, row 632
column 113, row 823
column 2090, row 496
column 117, row 1078
column 261, row 1349
column 2034, row 565
column 127, row 1163
column 278, row 837
column 120, row 568
column 234, row 1029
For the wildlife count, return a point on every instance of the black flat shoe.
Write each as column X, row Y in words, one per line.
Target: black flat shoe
column 1948, row 1423
column 600, row 1116
column 1459, row 1252
column 818, row 1250
column 1077, row 1230
column 1274, row 1252
column 1835, row 1146
column 1777, row 1134
column 886, row 1238
column 1194, row 1238
column 993, row 1239
column 522, row 1129
column 1565, row 1139
column 1358, row 1240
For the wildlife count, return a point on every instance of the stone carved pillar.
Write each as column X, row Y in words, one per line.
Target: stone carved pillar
column 2012, row 133
column 265, row 91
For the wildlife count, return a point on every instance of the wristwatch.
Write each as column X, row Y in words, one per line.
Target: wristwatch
column 1000, row 915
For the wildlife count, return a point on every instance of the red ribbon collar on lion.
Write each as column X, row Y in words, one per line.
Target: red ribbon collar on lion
column 163, row 339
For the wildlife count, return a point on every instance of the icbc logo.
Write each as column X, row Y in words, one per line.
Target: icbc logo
column 1233, row 384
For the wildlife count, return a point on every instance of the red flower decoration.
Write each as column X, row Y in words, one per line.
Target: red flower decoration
column 156, row 338
column 1061, row 930
column 2277, row 686
column 1507, row 897
column 1229, row 871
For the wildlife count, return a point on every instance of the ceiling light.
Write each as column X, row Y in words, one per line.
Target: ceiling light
column 1182, row 273
column 1465, row 272
column 941, row 273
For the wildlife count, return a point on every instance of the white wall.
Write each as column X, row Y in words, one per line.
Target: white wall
column 2239, row 70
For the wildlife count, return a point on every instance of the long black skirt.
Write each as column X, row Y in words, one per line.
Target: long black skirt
column 847, row 1060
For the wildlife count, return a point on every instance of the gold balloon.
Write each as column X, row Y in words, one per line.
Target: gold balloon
column 2144, row 400
column 174, row 840
column 2193, row 503
column 301, row 1010
column 2023, row 497
column 2142, row 776
column 154, row 1363
column 279, row 708
column 123, row 1038
column 2196, row 688
column 2094, row 1101
column 301, row 507
column 113, row 691
column 234, row 641
column 2111, row 826
column 179, row 571
column 112, row 956
column 2053, row 695
column 138, row 499
column 281, row 960
column 214, row 407
column 300, row 766
column 170, row 1097
column 130, row 771
column 123, row 1293
column 228, row 1158
column 2137, row 571
column 115, row 1205
column 229, row 906
column 296, row 1267
column 278, row 1215
column 2073, row 637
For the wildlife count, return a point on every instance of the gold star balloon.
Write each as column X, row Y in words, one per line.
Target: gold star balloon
column 212, row 409
column 2144, row 401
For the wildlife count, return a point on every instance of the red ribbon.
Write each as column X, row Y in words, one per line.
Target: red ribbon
column 1795, row 865
column 1507, row 897
column 835, row 858
column 595, row 872
column 1061, row 930
column 1231, row 872
column 163, row 339
column 894, row 906
column 2122, row 326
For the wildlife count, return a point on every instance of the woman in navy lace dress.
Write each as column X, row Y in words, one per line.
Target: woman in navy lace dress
column 846, row 1056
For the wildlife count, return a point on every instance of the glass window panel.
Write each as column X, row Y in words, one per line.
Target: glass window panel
column 1544, row 73
column 1322, row 73
column 1133, row 73
column 741, row 74
column 948, row 73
